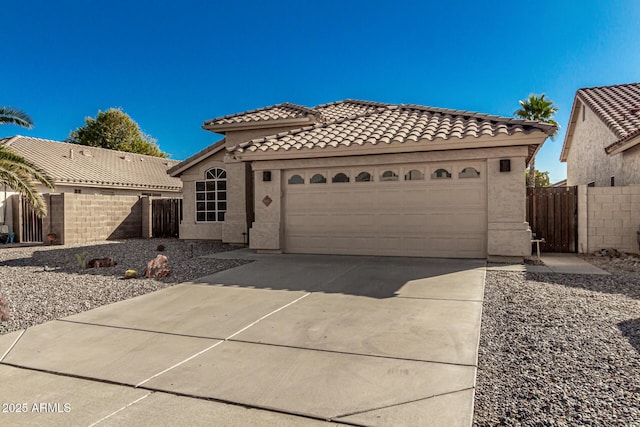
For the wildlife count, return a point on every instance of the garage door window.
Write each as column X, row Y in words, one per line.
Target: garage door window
column 441, row 174
column 211, row 196
column 340, row 177
column 414, row 175
column 469, row 173
column 296, row 179
column 318, row 179
column 364, row 177
column 389, row 176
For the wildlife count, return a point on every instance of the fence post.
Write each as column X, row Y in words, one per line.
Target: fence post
column 147, row 231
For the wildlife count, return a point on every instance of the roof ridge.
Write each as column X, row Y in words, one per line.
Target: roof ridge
column 256, row 110
column 90, row 147
column 608, row 86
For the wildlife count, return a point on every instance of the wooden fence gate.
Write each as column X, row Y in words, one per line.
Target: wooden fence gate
column 166, row 215
column 552, row 213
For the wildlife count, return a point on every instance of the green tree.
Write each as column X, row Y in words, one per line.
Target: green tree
column 540, row 109
column 19, row 173
column 542, row 178
column 116, row 130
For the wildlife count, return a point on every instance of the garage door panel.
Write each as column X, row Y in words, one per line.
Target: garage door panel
column 429, row 218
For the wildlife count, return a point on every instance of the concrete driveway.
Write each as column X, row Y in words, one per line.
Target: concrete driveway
column 286, row 340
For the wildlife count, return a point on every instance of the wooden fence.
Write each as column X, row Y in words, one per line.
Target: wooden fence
column 166, row 215
column 552, row 213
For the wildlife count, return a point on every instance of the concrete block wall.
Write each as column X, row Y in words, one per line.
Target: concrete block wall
column 612, row 218
column 80, row 218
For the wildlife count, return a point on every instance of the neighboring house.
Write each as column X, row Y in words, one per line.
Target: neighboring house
column 562, row 183
column 356, row 177
column 601, row 146
column 90, row 170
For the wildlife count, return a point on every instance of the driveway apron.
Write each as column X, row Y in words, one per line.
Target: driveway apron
column 286, row 340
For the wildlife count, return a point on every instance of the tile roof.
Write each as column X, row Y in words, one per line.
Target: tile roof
column 199, row 156
column 274, row 112
column 95, row 166
column 357, row 123
column 618, row 107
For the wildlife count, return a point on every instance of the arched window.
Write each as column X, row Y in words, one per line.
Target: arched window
column 318, row 179
column 211, row 196
column 469, row 172
column 414, row 175
column 441, row 174
column 296, row 179
column 389, row 176
column 364, row 177
column 340, row 177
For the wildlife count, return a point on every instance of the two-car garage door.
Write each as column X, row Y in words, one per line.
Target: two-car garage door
column 424, row 210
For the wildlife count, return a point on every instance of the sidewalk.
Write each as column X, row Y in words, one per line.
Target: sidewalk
column 553, row 263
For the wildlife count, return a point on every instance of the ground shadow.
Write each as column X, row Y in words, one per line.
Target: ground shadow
column 376, row 277
column 631, row 329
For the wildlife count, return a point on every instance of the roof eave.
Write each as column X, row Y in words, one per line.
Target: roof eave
column 532, row 140
column 568, row 138
column 622, row 145
column 177, row 170
column 258, row 124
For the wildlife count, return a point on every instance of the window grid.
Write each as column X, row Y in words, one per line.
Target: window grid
column 211, row 196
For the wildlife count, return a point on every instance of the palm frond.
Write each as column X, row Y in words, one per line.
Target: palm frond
column 16, row 117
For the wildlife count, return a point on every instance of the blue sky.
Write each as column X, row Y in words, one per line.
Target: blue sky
column 173, row 65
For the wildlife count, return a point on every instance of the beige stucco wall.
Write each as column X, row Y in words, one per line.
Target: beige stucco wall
column 587, row 161
column 612, row 218
column 190, row 229
column 508, row 233
column 630, row 166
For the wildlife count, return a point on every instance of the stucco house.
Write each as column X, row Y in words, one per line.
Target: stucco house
column 363, row 178
column 79, row 169
column 601, row 147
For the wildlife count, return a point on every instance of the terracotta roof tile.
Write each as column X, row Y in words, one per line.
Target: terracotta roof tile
column 374, row 123
column 95, row 166
column 618, row 107
column 274, row 112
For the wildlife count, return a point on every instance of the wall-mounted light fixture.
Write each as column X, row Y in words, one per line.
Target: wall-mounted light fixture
column 266, row 176
column 505, row 165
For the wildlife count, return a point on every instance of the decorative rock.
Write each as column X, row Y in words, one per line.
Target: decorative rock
column 130, row 274
column 158, row 267
column 101, row 262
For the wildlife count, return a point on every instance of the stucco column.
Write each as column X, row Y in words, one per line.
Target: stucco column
column 508, row 232
column 266, row 231
column 235, row 219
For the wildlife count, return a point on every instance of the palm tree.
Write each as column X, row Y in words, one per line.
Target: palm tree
column 19, row 173
column 539, row 109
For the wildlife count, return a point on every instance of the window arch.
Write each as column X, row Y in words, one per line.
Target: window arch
column 414, row 175
column 211, row 196
column 364, row 177
column 389, row 176
column 469, row 172
column 441, row 174
column 318, row 179
column 340, row 177
column 296, row 179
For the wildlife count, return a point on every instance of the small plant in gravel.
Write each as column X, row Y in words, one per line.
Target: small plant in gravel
column 82, row 259
column 4, row 309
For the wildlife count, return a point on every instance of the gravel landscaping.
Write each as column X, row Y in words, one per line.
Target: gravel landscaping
column 43, row 283
column 560, row 349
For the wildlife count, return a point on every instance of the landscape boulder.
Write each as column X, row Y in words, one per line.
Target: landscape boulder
column 158, row 267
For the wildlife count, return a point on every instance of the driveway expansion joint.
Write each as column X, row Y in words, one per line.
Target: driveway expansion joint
column 400, row 403
column 6, row 353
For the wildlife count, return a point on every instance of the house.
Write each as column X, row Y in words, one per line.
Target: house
column 363, row 178
column 601, row 145
column 90, row 171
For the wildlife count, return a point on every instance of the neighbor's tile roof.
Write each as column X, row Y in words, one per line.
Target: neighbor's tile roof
column 359, row 123
column 618, row 107
column 95, row 166
column 274, row 112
